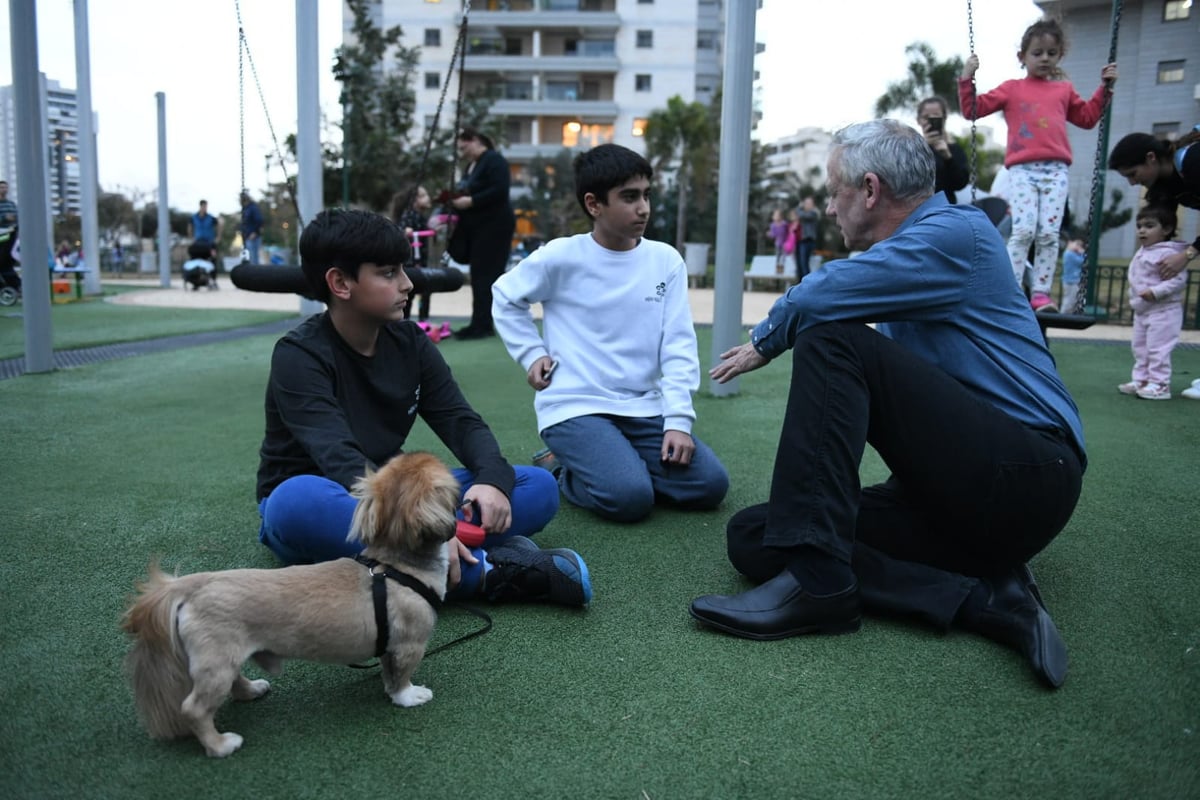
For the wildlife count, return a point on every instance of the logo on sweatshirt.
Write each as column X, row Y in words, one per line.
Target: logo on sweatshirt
column 659, row 291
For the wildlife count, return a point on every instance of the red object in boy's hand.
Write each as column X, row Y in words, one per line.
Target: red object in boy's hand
column 470, row 534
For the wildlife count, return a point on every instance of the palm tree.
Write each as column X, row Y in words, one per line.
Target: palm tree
column 926, row 76
column 680, row 134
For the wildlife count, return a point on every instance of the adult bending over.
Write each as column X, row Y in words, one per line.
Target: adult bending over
column 1171, row 175
column 955, row 390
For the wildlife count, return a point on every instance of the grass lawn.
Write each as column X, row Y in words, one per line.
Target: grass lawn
column 110, row 464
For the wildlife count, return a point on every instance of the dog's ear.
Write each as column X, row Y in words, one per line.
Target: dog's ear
column 409, row 503
column 365, row 519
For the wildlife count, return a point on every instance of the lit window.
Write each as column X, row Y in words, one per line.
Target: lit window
column 641, row 83
column 1170, row 71
column 433, row 37
column 639, row 127
column 645, row 38
column 1175, row 10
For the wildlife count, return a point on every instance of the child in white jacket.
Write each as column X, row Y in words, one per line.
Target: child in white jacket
column 616, row 363
column 1157, row 305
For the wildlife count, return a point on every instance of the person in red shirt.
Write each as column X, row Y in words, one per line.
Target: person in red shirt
column 1037, row 109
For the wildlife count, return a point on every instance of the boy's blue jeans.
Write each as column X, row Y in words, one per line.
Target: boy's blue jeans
column 306, row 519
column 612, row 467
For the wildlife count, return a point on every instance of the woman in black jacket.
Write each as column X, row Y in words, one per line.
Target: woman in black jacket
column 486, row 221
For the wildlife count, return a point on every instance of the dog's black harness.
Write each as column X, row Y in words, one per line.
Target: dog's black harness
column 379, row 573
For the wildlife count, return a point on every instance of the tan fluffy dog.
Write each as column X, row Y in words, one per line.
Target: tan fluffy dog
column 193, row 633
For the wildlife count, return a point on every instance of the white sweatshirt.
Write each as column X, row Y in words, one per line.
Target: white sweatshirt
column 618, row 322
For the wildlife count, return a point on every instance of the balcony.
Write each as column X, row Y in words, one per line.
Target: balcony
column 501, row 63
column 575, row 109
column 589, row 15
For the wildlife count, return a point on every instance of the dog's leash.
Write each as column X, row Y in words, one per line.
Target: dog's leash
column 483, row 615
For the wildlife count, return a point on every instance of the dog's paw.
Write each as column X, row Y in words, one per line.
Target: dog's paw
column 412, row 695
column 229, row 744
column 258, row 688
column 246, row 689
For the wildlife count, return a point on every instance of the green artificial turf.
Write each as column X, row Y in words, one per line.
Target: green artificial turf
column 94, row 321
column 111, row 464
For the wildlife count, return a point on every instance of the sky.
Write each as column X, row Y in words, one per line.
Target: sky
column 821, row 67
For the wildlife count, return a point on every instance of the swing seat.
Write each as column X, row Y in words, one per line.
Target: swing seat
column 1074, row 322
column 289, row 279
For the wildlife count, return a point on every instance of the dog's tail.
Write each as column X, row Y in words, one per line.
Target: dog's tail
column 157, row 663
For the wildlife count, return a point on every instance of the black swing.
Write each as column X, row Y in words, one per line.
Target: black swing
column 1075, row 318
column 289, row 279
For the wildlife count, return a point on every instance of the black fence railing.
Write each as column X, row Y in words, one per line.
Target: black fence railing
column 1112, row 297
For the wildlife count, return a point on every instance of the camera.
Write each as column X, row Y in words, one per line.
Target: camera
column 936, row 124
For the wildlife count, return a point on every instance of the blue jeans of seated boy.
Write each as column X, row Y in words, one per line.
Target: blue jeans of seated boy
column 612, row 467
column 306, row 519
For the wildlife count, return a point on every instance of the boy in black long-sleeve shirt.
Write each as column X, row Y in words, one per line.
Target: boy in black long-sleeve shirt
column 344, row 391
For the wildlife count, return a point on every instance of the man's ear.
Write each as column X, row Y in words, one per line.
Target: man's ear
column 338, row 283
column 873, row 187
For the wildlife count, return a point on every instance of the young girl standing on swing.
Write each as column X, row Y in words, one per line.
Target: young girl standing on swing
column 1037, row 109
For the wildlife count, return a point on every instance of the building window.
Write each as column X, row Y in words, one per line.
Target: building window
column 645, row 2
column 639, row 127
column 1168, row 131
column 433, row 80
column 1170, row 71
column 1175, row 10
column 706, row 41
column 641, row 83
column 576, row 134
column 433, row 37
column 645, row 38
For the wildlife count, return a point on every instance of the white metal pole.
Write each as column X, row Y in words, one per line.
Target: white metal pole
column 733, row 184
column 31, row 185
column 164, row 216
column 89, row 182
column 308, row 125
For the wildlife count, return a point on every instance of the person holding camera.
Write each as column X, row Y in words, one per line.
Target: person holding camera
column 952, row 169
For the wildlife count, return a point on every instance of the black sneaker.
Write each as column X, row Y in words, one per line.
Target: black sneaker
column 523, row 571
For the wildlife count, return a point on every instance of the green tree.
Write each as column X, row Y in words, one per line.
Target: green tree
column 926, row 76
column 376, row 74
column 682, row 136
column 551, row 200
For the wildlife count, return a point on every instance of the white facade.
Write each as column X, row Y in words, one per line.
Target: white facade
column 62, row 153
column 569, row 73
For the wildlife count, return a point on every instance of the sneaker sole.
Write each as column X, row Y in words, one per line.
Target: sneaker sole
column 574, row 564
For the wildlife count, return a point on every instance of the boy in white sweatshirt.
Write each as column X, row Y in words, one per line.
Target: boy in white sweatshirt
column 616, row 364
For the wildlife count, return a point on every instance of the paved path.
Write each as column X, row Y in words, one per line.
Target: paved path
column 457, row 306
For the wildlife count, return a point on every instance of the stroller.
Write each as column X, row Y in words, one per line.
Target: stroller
column 10, row 282
column 200, row 269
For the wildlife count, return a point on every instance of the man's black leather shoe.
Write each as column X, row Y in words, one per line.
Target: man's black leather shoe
column 1015, row 616
column 778, row 609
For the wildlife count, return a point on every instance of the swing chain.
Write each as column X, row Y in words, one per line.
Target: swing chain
column 974, row 173
column 244, row 48
column 1098, row 166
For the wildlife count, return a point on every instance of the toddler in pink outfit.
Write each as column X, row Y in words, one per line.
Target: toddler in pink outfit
column 1157, row 305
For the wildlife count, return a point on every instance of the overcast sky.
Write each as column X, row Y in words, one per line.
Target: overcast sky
column 825, row 64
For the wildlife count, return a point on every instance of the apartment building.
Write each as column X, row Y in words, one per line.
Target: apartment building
column 1158, row 91
column 566, row 73
column 60, row 109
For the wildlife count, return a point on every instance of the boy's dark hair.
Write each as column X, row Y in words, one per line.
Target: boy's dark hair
column 1163, row 215
column 605, row 167
column 347, row 239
